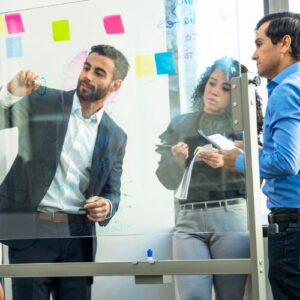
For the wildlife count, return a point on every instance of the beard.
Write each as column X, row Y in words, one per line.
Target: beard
column 89, row 92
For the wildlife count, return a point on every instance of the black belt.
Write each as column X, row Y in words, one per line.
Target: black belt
column 211, row 204
column 62, row 217
column 284, row 215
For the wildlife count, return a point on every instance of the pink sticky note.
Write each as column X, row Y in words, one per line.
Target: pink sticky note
column 113, row 24
column 14, row 23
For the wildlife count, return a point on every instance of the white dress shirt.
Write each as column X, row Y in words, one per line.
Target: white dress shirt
column 71, row 180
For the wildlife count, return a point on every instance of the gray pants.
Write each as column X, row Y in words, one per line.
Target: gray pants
column 213, row 233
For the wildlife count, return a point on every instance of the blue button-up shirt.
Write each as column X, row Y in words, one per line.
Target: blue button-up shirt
column 279, row 160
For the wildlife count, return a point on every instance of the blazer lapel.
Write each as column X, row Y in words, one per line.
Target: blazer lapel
column 64, row 112
column 100, row 158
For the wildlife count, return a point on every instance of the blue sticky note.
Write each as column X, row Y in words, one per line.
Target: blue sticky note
column 14, row 47
column 164, row 63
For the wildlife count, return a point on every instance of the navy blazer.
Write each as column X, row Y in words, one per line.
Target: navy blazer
column 42, row 120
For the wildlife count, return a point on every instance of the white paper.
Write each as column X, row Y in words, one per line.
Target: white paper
column 223, row 142
column 182, row 190
column 218, row 140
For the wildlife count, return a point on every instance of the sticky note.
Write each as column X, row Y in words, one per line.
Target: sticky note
column 14, row 23
column 113, row 24
column 164, row 63
column 61, row 30
column 14, row 47
column 144, row 65
column 3, row 30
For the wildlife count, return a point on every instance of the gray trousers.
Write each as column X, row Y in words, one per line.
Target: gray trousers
column 212, row 233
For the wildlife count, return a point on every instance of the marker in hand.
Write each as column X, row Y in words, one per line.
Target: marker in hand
column 40, row 85
column 37, row 81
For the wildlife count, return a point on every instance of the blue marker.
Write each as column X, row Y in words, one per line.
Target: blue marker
column 150, row 254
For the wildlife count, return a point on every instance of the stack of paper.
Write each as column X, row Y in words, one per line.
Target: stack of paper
column 183, row 188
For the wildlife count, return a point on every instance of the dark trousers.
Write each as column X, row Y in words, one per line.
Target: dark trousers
column 52, row 250
column 284, row 261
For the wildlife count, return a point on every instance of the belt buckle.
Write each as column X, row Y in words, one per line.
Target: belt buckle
column 58, row 217
column 52, row 217
column 55, row 218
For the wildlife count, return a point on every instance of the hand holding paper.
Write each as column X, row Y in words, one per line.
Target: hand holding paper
column 213, row 158
column 218, row 141
column 183, row 188
column 205, row 148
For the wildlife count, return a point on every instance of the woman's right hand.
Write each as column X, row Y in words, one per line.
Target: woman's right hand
column 23, row 83
column 180, row 152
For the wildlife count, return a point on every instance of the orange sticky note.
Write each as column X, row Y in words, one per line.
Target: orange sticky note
column 113, row 24
column 14, row 23
column 3, row 30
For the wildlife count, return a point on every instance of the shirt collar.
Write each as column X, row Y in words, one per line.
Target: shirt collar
column 76, row 109
column 282, row 75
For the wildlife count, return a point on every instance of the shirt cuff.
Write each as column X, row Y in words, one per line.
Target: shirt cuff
column 240, row 163
column 111, row 209
column 7, row 99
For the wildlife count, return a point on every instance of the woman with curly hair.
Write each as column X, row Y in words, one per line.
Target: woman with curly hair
column 212, row 220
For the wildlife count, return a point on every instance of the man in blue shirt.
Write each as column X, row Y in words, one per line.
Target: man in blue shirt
column 277, row 57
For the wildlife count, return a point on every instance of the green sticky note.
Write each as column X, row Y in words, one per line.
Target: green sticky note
column 61, row 30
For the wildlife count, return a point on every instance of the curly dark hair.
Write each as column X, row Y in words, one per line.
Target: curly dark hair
column 232, row 68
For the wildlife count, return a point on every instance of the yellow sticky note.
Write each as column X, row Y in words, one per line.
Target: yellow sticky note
column 144, row 65
column 3, row 29
column 61, row 30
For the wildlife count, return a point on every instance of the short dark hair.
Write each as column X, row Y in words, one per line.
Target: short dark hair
column 120, row 61
column 281, row 24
